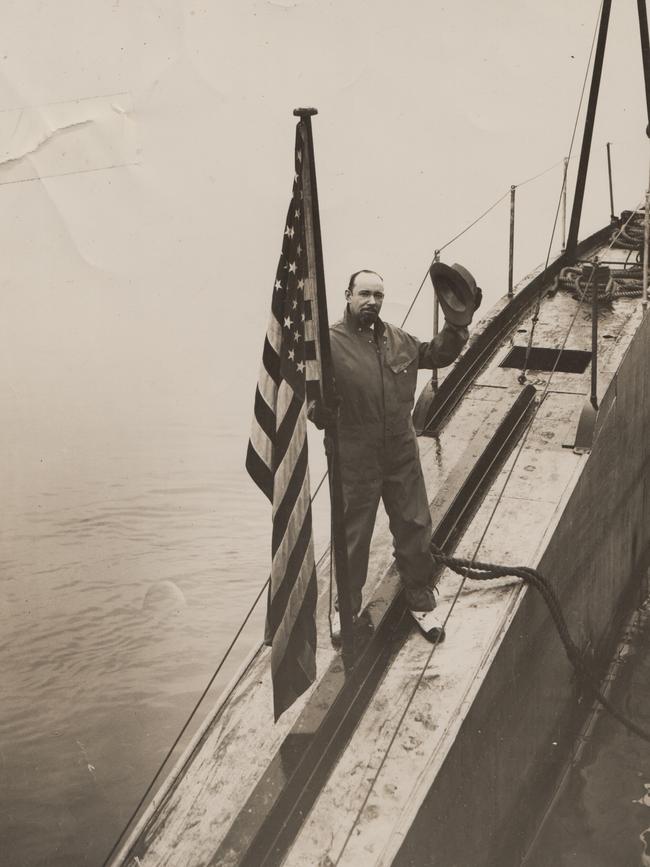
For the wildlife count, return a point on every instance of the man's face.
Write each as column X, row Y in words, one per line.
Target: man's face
column 366, row 297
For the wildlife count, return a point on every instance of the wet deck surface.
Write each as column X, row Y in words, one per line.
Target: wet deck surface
column 362, row 816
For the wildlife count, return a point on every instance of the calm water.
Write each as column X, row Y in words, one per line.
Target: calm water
column 604, row 807
column 127, row 559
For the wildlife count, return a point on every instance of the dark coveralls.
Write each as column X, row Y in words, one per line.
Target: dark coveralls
column 376, row 378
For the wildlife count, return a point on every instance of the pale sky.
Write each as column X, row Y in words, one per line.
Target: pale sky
column 136, row 277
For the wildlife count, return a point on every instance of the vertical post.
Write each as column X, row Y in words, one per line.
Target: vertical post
column 645, row 54
column 436, row 326
column 611, row 189
column 339, row 540
column 511, row 255
column 594, row 335
column 574, row 226
column 646, row 249
column 564, row 186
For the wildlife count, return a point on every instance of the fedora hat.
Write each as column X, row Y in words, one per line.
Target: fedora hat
column 457, row 292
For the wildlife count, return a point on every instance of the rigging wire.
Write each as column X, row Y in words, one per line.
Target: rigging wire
column 541, row 174
column 463, row 581
column 535, row 316
column 474, row 222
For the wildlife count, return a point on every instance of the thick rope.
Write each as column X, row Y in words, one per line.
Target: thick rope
column 482, row 571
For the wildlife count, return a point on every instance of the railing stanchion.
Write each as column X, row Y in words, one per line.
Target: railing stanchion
column 611, row 188
column 511, row 255
column 646, row 249
column 436, row 326
column 564, row 185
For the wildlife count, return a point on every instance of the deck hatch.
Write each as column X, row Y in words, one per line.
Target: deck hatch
column 545, row 358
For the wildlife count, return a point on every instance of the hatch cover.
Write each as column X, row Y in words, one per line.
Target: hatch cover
column 545, row 358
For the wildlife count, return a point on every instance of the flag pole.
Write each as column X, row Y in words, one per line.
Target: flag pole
column 339, row 541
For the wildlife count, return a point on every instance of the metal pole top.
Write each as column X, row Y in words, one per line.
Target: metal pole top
column 305, row 112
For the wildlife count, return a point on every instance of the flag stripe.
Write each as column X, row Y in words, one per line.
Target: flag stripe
column 291, row 619
column 295, row 561
column 284, row 432
column 290, row 512
column 271, row 362
column 262, row 446
column 285, row 397
column 274, row 335
column 264, row 415
column 294, row 672
column 289, row 476
column 259, row 472
column 310, row 351
column 267, row 388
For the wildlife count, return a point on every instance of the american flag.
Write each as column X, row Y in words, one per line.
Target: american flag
column 277, row 450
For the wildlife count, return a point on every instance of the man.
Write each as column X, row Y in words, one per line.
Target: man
column 375, row 369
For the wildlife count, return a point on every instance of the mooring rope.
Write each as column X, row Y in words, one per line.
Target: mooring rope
column 483, row 571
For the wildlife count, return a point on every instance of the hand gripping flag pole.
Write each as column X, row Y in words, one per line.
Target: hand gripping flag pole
column 296, row 367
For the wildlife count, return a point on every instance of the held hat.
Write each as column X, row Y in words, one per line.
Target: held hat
column 457, row 292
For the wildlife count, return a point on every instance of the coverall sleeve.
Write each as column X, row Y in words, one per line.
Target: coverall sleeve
column 444, row 348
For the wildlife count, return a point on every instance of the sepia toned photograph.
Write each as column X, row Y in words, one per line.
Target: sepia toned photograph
column 325, row 435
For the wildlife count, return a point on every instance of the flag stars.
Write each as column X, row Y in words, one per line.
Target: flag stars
column 289, row 231
column 299, row 249
column 278, row 286
column 300, row 366
column 299, row 155
column 293, row 267
column 297, row 213
column 291, row 355
column 288, row 322
column 294, row 304
column 301, row 284
column 296, row 336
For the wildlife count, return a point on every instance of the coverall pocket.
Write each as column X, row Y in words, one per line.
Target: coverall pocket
column 404, row 378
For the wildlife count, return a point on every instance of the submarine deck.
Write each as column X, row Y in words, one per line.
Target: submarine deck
column 390, row 772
